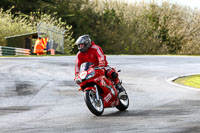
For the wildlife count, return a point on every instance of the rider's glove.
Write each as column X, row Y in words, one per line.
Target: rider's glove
column 77, row 80
column 76, row 76
column 92, row 66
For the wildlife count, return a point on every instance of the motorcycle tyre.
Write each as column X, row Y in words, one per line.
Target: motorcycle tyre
column 89, row 104
column 121, row 106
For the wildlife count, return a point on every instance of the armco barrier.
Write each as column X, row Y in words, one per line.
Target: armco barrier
column 7, row 51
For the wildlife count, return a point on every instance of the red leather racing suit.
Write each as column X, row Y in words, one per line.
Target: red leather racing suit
column 94, row 55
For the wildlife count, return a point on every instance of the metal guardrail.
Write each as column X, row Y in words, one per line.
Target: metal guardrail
column 7, row 51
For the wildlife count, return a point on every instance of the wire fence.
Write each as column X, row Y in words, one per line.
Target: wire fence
column 54, row 34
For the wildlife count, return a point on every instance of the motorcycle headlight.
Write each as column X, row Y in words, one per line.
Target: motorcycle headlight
column 90, row 75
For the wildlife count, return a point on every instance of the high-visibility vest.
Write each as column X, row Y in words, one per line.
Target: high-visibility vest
column 44, row 42
column 39, row 47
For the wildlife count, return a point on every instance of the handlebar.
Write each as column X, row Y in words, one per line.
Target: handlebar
column 107, row 67
column 97, row 68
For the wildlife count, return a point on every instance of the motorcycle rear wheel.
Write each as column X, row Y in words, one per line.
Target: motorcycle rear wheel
column 95, row 106
column 123, row 103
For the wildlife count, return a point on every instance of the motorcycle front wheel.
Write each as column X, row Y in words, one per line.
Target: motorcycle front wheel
column 94, row 105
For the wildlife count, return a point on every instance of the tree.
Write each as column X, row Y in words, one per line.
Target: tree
column 26, row 6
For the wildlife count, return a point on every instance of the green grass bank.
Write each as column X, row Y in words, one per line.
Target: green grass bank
column 191, row 81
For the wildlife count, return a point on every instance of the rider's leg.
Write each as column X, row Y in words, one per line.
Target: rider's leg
column 113, row 75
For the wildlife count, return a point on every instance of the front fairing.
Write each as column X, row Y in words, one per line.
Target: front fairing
column 94, row 79
column 91, row 75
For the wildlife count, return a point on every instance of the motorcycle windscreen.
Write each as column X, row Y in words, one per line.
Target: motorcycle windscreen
column 85, row 66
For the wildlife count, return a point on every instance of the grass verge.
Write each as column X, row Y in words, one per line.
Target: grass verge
column 192, row 81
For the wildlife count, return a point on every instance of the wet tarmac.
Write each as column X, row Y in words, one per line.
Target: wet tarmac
column 38, row 94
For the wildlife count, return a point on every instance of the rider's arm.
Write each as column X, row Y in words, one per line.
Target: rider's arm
column 101, row 57
column 77, row 64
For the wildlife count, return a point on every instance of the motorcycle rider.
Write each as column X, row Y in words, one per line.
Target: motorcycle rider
column 90, row 52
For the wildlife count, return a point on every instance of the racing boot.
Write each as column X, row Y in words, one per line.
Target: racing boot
column 121, row 92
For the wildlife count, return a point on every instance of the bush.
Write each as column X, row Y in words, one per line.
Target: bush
column 11, row 25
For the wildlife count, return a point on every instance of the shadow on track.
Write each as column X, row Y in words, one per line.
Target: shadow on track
column 162, row 111
column 126, row 113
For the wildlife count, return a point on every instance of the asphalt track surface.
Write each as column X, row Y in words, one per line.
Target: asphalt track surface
column 38, row 95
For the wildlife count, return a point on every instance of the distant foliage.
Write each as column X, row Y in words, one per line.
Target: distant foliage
column 139, row 28
column 11, row 25
column 156, row 29
column 118, row 27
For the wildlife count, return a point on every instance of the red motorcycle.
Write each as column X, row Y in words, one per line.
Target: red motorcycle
column 99, row 91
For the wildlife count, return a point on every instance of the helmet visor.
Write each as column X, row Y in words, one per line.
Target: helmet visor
column 81, row 45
